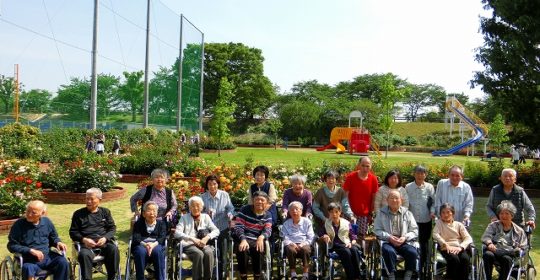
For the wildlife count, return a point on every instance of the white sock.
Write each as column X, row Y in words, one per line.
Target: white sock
column 293, row 274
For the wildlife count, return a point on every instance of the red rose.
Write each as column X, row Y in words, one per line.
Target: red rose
column 38, row 185
column 29, row 181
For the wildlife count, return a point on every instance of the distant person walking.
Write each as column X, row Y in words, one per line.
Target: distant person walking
column 100, row 144
column 515, row 156
column 522, row 153
column 116, row 145
column 89, row 147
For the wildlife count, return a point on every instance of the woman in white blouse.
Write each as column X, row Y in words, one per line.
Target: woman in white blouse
column 194, row 230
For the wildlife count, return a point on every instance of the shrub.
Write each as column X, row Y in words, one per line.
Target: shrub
column 19, row 184
column 80, row 175
column 20, row 141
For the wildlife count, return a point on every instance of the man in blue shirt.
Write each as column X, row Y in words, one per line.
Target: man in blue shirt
column 31, row 237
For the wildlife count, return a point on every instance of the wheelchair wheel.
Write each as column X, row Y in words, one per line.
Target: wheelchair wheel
column 531, row 273
column 6, row 269
column 132, row 273
column 74, row 269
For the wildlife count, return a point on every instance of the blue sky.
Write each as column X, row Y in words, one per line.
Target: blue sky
column 423, row 41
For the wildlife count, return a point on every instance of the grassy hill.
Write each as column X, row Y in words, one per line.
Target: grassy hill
column 418, row 129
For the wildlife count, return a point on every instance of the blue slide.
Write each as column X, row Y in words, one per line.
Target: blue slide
column 476, row 138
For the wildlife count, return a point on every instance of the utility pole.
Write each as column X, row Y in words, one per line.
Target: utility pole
column 93, row 83
column 146, row 62
column 180, row 61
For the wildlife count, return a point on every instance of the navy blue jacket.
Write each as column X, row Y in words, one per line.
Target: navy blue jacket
column 25, row 236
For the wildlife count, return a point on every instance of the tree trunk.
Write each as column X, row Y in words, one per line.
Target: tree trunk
column 387, row 144
column 133, row 115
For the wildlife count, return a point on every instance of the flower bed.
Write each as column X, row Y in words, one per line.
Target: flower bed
column 18, row 185
column 6, row 224
column 80, row 198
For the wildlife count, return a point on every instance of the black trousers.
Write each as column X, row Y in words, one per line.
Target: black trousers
column 112, row 259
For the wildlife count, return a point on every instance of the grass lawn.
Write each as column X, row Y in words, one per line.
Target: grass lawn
column 297, row 156
column 61, row 214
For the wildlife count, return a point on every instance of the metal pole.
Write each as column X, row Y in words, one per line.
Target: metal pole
column 180, row 60
column 93, row 82
column 146, row 61
column 202, row 85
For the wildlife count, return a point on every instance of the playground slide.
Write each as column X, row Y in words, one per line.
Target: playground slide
column 337, row 134
column 477, row 137
column 375, row 147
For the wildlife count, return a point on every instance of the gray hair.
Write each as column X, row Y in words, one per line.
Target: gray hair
column 150, row 203
column 160, row 172
column 509, row 170
column 394, row 191
column 447, row 206
column 95, row 191
column 295, row 204
column 194, row 199
column 333, row 205
column 298, row 178
column 457, row 168
column 38, row 203
column 420, row 169
column 508, row 206
column 261, row 194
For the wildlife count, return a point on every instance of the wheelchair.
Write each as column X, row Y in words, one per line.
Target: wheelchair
column 97, row 262
column 437, row 266
column 330, row 268
column 522, row 265
column 283, row 262
column 149, row 269
column 11, row 268
column 382, row 270
column 266, row 271
column 182, row 273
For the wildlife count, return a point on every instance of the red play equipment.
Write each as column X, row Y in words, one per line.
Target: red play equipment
column 358, row 138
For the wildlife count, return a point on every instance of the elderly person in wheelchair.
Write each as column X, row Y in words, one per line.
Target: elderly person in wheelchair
column 396, row 228
column 298, row 235
column 194, row 230
column 93, row 228
column 253, row 226
column 503, row 240
column 31, row 237
column 453, row 239
column 341, row 238
column 148, row 241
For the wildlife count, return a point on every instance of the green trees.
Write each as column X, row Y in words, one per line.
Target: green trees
column 35, row 100
column 7, row 88
column 243, row 68
column 74, row 98
column 498, row 134
column 389, row 95
column 511, row 57
column 417, row 97
column 222, row 114
column 131, row 92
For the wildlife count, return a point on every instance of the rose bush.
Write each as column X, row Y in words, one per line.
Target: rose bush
column 79, row 175
column 19, row 184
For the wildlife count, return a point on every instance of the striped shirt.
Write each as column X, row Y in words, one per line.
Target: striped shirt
column 250, row 226
column 221, row 207
column 460, row 197
column 301, row 233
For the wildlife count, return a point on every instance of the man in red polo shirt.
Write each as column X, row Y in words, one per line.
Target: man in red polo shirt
column 361, row 187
